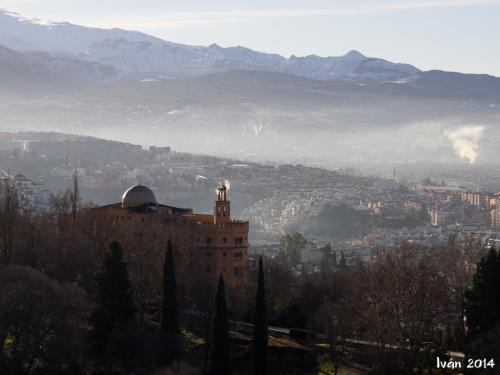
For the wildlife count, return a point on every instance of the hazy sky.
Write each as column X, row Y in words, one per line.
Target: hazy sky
column 459, row 35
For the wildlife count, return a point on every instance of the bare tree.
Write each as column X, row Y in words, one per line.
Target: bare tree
column 75, row 197
column 331, row 310
column 404, row 299
column 39, row 321
column 281, row 289
column 8, row 218
column 143, row 256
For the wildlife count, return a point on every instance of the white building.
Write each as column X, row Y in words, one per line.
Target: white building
column 32, row 195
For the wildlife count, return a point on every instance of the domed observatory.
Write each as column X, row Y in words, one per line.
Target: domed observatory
column 137, row 196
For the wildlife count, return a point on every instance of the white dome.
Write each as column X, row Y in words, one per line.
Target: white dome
column 137, row 195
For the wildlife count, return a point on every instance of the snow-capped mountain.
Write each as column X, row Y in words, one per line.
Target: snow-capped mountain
column 135, row 53
column 24, row 34
column 353, row 65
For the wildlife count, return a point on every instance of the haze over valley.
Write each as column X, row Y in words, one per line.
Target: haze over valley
column 332, row 112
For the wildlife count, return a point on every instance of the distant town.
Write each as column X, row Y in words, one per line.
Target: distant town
column 276, row 199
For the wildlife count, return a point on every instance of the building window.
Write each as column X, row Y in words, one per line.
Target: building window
column 209, row 241
column 224, row 254
column 224, row 240
column 207, row 269
column 237, row 271
column 208, row 254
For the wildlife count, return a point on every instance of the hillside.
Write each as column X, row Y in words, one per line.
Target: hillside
column 268, row 116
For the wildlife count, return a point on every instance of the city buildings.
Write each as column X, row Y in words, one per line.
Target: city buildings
column 32, row 195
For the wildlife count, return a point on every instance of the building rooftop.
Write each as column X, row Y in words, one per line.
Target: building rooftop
column 138, row 195
column 148, row 208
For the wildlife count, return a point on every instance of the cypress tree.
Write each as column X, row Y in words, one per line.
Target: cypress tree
column 482, row 309
column 343, row 262
column 260, row 329
column 112, row 298
column 169, row 309
column 221, row 353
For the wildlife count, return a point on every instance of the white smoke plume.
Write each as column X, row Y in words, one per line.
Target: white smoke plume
column 465, row 141
column 257, row 128
column 226, row 183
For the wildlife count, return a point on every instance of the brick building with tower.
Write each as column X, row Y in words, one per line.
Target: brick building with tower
column 215, row 243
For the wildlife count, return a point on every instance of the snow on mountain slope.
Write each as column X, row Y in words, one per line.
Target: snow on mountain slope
column 23, row 34
column 135, row 53
column 179, row 60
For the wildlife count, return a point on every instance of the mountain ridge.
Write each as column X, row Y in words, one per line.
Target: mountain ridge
column 138, row 54
column 40, row 70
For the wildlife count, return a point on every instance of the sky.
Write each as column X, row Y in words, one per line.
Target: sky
column 456, row 35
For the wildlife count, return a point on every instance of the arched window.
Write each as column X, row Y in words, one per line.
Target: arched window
column 209, row 241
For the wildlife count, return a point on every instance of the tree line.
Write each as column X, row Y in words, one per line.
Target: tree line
column 49, row 327
column 70, row 302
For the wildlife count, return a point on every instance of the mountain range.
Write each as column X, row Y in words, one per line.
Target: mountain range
column 134, row 87
column 77, row 54
column 135, row 54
